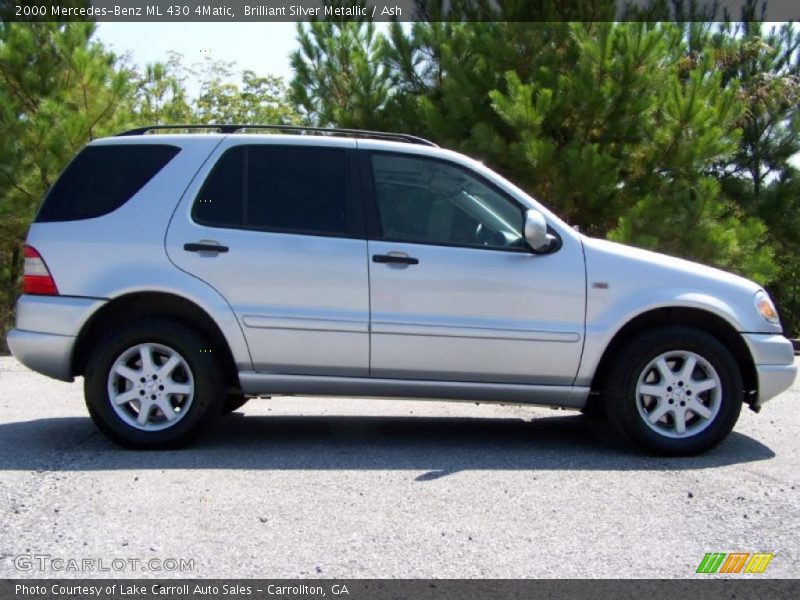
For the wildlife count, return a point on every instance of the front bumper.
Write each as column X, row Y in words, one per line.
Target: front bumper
column 773, row 356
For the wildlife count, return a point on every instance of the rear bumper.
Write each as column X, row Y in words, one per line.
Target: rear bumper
column 773, row 356
column 47, row 327
column 47, row 353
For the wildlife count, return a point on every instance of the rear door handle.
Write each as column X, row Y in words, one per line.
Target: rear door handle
column 205, row 248
column 395, row 259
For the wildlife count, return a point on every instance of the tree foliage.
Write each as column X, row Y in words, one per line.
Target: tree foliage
column 339, row 77
column 160, row 95
column 673, row 135
column 59, row 89
column 255, row 100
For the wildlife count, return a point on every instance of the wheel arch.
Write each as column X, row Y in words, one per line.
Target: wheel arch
column 137, row 305
column 704, row 320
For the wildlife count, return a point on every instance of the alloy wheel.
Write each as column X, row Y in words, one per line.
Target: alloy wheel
column 150, row 387
column 678, row 394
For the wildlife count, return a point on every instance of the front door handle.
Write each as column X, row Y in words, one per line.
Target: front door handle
column 202, row 247
column 395, row 259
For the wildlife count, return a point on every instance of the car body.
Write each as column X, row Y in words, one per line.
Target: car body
column 365, row 265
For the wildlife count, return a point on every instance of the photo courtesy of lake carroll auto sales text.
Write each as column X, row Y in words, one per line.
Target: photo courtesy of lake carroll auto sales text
column 172, row 590
column 402, row 300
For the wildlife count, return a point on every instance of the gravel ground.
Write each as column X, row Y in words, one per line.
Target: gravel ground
column 336, row 488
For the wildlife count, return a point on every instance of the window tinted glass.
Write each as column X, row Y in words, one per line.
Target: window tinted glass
column 429, row 201
column 287, row 189
column 101, row 179
column 219, row 202
column 301, row 189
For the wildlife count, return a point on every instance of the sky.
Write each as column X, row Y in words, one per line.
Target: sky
column 261, row 47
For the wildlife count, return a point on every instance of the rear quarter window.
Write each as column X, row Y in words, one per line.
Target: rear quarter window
column 100, row 179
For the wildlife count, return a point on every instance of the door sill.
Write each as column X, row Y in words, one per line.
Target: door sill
column 321, row 385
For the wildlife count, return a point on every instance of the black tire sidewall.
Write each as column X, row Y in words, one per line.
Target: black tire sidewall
column 208, row 383
column 622, row 401
column 234, row 402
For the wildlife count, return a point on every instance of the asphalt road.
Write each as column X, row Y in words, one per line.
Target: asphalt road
column 302, row 487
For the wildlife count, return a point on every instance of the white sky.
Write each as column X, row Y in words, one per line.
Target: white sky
column 261, row 47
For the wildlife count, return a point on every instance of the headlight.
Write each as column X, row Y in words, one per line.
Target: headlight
column 766, row 308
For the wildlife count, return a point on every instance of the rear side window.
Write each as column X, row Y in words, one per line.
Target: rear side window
column 100, row 179
column 277, row 188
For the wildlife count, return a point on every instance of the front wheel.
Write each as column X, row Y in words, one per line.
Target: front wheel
column 152, row 384
column 675, row 391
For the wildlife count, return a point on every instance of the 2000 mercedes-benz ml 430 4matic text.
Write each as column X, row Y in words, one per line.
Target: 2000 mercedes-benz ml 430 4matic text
column 182, row 273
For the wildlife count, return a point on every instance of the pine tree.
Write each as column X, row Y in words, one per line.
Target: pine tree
column 59, row 89
column 764, row 65
column 338, row 75
column 625, row 129
column 627, row 143
column 161, row 95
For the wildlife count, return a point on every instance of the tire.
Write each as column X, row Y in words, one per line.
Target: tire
column 194, row 386
column 653, row 420
column 233, row 403
column 594, row 408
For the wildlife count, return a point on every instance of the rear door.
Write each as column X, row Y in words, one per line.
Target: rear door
column 275, row 228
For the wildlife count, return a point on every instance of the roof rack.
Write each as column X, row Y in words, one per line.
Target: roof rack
column 336, row 131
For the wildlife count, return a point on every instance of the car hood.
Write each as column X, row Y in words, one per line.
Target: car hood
column 663, row 265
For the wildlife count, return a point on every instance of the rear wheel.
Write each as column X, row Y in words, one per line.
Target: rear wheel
column 675, row 391
column 153, row 384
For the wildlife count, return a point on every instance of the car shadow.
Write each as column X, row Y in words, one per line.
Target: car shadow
column 438, row 446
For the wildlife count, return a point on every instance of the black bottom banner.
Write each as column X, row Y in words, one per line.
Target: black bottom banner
column 398, row 589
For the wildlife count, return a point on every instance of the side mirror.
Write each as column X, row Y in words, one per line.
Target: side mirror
column 536, row 231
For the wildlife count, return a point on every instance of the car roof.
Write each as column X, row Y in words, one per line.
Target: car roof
column 185, row 140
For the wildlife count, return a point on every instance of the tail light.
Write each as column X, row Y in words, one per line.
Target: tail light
column 36, row 278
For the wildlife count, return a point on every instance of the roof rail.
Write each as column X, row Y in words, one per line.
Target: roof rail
column 336, row 131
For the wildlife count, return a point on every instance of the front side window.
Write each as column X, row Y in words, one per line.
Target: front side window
column 432, row 202
column 277, row 188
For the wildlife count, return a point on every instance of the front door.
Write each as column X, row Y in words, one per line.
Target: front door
column 456, row 294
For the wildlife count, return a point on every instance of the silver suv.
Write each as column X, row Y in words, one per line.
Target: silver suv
column 181, row 274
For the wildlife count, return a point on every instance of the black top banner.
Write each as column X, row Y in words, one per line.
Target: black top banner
column 396, row 10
